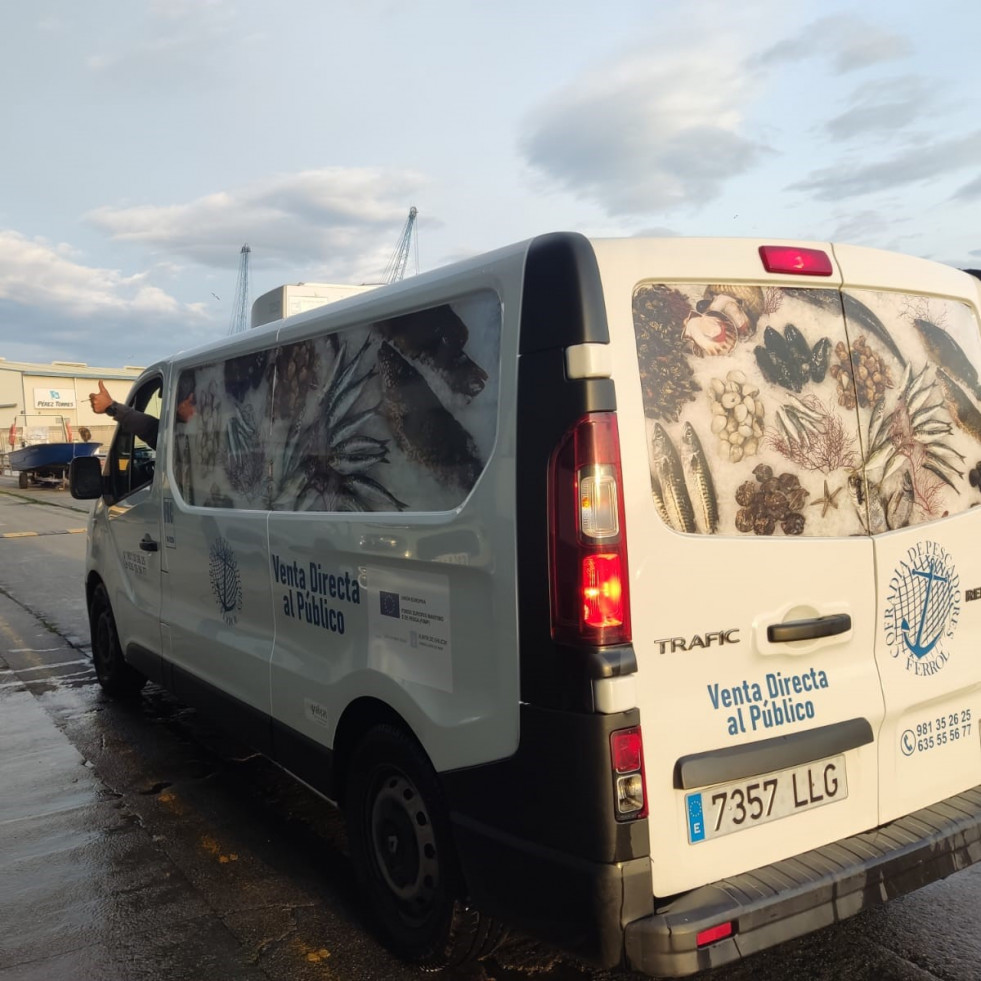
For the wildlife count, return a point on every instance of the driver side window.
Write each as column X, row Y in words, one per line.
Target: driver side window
column 133, row 454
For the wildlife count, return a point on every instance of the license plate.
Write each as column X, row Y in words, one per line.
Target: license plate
column 731, row 807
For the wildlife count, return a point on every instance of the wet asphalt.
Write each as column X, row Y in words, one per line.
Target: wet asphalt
column 138, row 841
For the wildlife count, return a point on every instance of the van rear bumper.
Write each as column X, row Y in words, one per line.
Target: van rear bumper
column 809, row 891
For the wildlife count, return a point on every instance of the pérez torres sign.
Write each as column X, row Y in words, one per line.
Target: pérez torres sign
column 54, row 398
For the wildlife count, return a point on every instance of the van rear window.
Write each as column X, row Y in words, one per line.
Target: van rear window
column 798, row 411
column 922, row 434
column 398, row 415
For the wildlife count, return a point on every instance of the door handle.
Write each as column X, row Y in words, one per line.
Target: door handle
column 147, row 544
column 810, row 629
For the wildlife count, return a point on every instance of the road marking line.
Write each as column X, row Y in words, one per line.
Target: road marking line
column 38, row 534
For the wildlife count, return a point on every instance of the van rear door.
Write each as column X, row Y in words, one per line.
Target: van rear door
column 752, row 579
column 922, row 440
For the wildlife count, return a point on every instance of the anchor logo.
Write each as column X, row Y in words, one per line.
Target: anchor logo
column 922, row 608
column 916, row 647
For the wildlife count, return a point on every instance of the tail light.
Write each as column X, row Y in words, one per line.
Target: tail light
column 590, row 597
column 630, row 786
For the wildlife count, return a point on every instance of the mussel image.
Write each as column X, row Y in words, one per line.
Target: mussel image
column 788, row 360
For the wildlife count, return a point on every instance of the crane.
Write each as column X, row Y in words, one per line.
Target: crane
column 240, row 308
column 395, row 269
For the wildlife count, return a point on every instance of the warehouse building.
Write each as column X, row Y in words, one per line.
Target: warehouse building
column 49, row 403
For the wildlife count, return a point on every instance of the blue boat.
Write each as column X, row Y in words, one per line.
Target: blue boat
column 47, row 461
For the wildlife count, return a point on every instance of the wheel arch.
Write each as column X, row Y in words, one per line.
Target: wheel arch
column 358, row 718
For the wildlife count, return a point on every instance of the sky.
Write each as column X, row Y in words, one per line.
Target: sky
column 143, row 142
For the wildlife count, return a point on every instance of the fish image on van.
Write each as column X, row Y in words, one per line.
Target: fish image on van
column 437, row 338
column 698, row 476
column 964, row 412
column 423, row 429
column 329, row 457
column 668, row 482
column 945, row 351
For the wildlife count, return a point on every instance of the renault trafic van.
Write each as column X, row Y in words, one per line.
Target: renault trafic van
column 623, row 591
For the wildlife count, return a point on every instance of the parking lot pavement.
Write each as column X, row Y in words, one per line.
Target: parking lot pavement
column 85, row 891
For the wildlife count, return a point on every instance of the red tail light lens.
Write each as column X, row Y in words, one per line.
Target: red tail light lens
column 627, row 750
column 630, row 784
column 712, row 934
column 796, row 262
column 602, row 591
column 587, row 537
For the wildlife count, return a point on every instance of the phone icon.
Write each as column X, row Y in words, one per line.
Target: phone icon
column 908, row 743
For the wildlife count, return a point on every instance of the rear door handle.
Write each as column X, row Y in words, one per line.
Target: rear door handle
column 148, row 544
column 810, row 629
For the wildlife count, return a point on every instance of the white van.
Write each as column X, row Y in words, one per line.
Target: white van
column 444, row 550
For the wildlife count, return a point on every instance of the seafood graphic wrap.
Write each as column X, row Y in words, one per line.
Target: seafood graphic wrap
column 390, row 416
column 423, row 429
column 795, row 411
column 660, row 315
column 668, row 483
column 437, row 338
column 699, row 478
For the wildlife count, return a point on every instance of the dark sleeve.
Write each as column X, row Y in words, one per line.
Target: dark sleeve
column 137, row 423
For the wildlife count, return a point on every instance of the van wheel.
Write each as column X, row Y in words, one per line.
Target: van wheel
column 116, row 677
column 403, row 854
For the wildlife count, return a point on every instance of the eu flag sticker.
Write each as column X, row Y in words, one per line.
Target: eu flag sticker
column 389, row 604
column 696, row 822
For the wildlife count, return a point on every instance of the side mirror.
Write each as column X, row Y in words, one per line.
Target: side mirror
column 85, row 478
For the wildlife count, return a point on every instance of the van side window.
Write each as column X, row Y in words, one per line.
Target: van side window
column 397, row 415
column 132, row 458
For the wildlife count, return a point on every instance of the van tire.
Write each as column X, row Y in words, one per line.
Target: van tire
column 116, row 677
column 402, row 850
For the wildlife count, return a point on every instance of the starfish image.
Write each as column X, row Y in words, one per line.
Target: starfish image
column 828, row 500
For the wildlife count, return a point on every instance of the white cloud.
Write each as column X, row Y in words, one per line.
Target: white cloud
column 970, row 192
column 187, row 43
column 884, row 106
column 35, row 273
column 848, row 41
column 54, row 306
column 926, row 160
column 651, row 130
column 883, row 228
column 342, row 219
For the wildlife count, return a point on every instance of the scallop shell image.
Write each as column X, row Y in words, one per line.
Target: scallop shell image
column 711, row 335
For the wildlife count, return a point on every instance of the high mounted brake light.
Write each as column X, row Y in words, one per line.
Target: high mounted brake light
column 587, row 537
column 794, row 261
